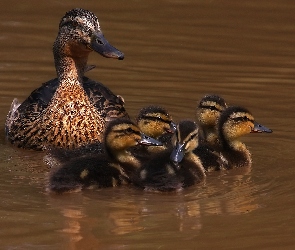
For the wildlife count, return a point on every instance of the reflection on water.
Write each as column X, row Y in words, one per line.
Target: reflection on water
column 176, row 51
column 96, row 216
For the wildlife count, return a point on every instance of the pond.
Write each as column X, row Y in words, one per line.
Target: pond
column 175, row 53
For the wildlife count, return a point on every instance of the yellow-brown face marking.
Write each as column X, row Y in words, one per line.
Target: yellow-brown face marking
column 123, row 136
column 208, row 113
column 155, row 124
column 187, row 134
column 154, row 121
column 238, row 124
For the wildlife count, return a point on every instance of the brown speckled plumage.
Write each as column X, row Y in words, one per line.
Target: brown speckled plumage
column 71, row 110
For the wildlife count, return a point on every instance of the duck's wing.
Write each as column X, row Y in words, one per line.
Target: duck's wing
column 30, row 108
column 104, row 99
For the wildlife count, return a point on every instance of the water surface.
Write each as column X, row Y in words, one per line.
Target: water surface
column 176, row 52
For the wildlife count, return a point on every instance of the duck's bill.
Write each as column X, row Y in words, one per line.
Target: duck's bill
column 177, row 153
column 172, row 127
column 101, row 45
column 146, row 140
column 258, row 128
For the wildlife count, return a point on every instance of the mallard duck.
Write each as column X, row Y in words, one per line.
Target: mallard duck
column 121, row 157
column 233, row 123
column 156, row 122
column 208, row 112
column 176, row 169
column 70, row 110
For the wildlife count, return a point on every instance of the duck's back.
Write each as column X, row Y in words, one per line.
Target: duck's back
column 86, row 172
column 22, row 116
column 160, row 174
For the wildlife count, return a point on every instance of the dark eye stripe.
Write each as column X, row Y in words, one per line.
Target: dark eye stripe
column 158, row 118
column 125, row 131
column 194, row 135
column 209, row 107
column 242, row 119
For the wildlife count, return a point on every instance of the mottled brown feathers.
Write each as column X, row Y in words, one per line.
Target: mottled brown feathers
column 71, row 110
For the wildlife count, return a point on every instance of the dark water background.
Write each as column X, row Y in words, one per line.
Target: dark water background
column 176, row 51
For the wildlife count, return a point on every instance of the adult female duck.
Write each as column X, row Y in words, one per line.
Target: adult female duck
column 71, row 110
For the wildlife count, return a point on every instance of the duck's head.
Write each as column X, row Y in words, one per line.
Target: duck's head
column 184, row 140
column 235, row 122
column 155, row 121
column 209, row 110
column 80, row 33
column 122, row 134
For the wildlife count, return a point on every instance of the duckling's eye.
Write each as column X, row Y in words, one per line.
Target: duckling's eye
column 245, row 118
column 192, row 137
column 213, row 108
column 241, row 119
column 129, row 130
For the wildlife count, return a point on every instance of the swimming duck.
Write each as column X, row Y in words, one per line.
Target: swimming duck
column 176, row 169
column 123, row 141
column 70, row 110
column 156, row 122
column 233, row 123
column 208, row 112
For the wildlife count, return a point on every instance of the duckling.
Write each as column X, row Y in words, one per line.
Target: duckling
column 108, row 169
column 71, row 110
column 208, row 112
column 156, row 122
column 176, row 169
column 233, row 123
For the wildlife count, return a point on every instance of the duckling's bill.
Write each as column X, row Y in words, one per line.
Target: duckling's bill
column 101, row 45
column 258, row 128
column 146, row 140
column 178, row 153
column 172, row 127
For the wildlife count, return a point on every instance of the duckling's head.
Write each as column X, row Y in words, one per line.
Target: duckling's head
column 155, row 121
column 235, row 122
column 209, row 110
column 122, row 134
column 184, row 140
column 80, row 33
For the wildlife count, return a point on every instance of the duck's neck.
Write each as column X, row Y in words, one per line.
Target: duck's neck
column 126, row 159
column 210, row 135
column 236, row 152
column 231, row 143
column 70, row 62
column 196, row 160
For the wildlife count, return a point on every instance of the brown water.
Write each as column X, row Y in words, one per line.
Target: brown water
column 176, row 51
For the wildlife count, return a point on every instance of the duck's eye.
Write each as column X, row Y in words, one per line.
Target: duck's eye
column 212, row 108
column 192, row 137
column 75, row 23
